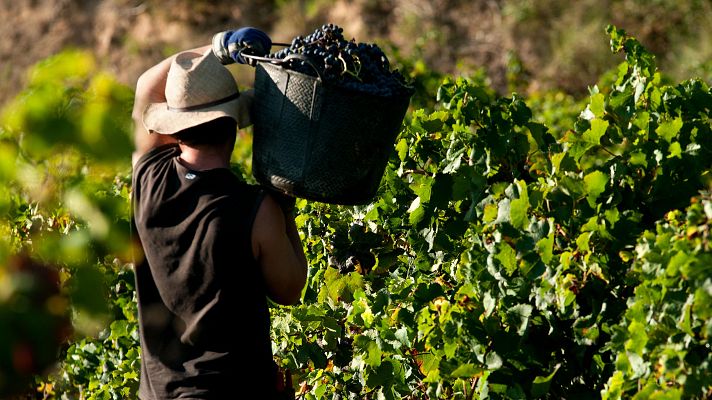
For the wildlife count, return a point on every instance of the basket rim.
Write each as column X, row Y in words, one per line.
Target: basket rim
column 291, row 71
column 328, row 84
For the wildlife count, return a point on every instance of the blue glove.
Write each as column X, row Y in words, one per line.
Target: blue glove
column 229, row 46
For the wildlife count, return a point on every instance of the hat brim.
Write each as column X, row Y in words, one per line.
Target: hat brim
column 159, row 118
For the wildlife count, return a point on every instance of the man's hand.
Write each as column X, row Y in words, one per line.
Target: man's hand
column 229, row 46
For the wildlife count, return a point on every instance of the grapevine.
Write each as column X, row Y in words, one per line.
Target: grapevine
column 511, row 252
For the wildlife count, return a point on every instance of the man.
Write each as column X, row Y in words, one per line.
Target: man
column 214, row 247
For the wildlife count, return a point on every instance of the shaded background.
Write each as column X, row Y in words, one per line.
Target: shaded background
column 545, row 43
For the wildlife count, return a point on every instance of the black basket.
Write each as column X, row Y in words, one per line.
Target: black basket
column 319, row 141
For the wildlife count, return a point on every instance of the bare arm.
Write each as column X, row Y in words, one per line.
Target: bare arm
column 150, row 88
column 278, row 249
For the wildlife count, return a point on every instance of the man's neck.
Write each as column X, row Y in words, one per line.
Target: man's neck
column 204, row 158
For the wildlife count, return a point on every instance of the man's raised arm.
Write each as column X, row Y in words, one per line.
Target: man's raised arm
column 151, row 88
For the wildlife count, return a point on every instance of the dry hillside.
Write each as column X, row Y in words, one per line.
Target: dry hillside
column 551, row 42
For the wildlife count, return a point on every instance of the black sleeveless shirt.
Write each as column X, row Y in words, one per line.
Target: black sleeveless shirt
column 203, row 313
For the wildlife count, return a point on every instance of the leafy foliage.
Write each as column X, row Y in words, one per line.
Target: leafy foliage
column 502, row 249
column 106, row 365
column 662, row 344
column 507, row 254
column 65, row 144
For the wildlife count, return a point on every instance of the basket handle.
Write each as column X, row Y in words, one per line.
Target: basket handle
column 286, row 59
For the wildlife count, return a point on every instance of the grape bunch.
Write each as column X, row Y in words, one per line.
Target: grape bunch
column 361, row 67
column 351, row 248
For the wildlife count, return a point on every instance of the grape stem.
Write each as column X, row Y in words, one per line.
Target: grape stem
column 347, row 71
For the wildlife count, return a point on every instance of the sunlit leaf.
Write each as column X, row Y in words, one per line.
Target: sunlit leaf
column 669, row 129
column 594, row 184
column 518, row 208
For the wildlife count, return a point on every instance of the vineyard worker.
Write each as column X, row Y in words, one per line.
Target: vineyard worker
column 214, row 247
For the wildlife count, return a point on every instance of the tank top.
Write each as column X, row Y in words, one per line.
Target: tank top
column 203, row 313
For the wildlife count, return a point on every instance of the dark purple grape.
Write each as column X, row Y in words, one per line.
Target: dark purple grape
column 361, row 67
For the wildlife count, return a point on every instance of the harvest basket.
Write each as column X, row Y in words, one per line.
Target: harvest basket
column 321, row 142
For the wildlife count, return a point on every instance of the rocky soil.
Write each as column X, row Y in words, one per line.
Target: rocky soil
column 555, row 45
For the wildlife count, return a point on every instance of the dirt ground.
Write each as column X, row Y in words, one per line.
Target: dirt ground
column 129, row 36
column 551, row 43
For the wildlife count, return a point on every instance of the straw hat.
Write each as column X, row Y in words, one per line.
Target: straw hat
column 199, row 89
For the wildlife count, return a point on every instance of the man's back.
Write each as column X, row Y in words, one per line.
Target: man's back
column 198, row 278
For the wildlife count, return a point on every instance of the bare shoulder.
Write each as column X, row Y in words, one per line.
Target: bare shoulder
column 269, row 224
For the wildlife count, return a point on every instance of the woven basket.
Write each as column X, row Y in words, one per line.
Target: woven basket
column 319, row 141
